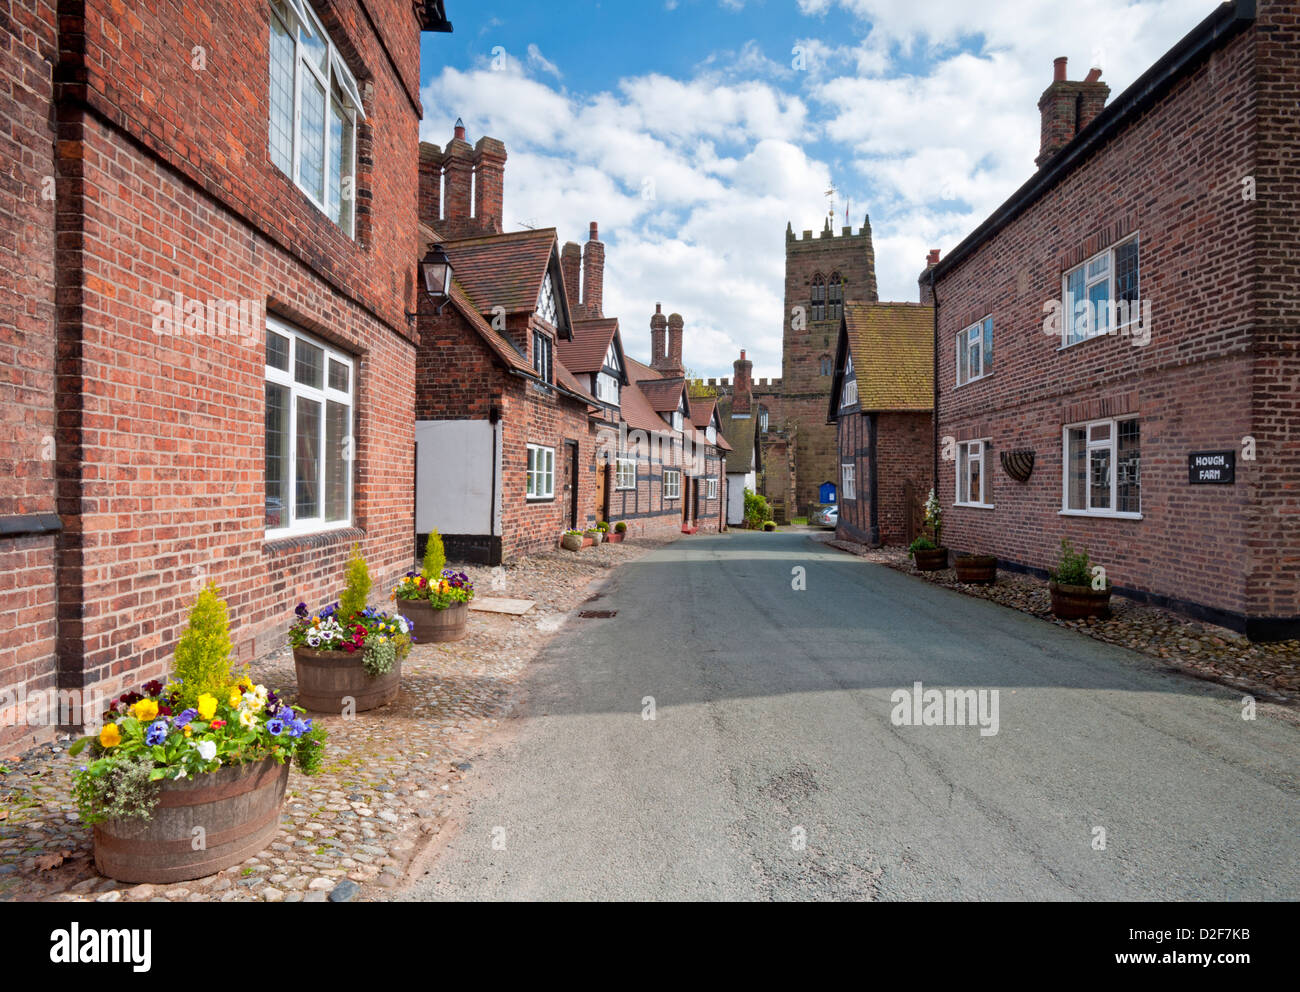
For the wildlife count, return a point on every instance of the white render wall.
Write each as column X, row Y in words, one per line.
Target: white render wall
column 456, row 463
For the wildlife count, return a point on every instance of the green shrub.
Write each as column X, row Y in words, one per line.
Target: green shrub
column 621, row 527
column 922, row 543
column 756, row 510
column 1074, row 568
column 602, row 526
column 311, row 749
column 125, row 792
column 357, row 589
column 435, row 557
column 769, row 525
column 203, row 652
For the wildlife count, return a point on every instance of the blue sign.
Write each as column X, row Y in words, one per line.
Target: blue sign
column 828, row 492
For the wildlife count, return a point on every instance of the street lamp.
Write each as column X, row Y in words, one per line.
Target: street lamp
column 436, row 269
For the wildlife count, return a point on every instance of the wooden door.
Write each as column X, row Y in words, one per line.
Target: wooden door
column 602, row 491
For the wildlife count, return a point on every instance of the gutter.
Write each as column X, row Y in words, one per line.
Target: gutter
column 1227, row 20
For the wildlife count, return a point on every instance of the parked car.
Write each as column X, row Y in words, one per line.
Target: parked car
column 827, row 516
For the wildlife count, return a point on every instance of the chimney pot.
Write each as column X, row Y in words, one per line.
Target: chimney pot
column 934, row 256
column 1094, row 74
column 1058, row 74
column 742, row 354
column 460, row 129
column 595, row 233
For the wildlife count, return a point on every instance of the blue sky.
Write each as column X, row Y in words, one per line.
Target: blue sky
column 692, row 131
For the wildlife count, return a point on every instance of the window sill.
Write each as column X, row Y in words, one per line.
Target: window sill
column 276, row 545
column 539, row 499
column 971, row 382
column 975, row 506
column 1100, row 514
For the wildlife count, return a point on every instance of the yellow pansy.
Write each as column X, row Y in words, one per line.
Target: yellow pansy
column 188, row 730
column 248, row 719
column 109, row 736
column 234, row 697
column 145, row 710
column 207, row 707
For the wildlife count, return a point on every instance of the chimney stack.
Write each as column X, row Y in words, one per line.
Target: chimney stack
column 458, row 167
column 465, row 174
column 658, row 329
column 489, row 184
column 742, row 394
column 673, row 362
column 430, row 184
column 923, row 280
column 571, row 266
column 1067, row 108
column 593, row 275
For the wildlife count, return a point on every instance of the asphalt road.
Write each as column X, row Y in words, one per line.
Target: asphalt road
column 772, row 724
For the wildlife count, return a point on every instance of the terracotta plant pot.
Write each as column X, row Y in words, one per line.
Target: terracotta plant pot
column 571, row 542
column 326, row 678
column 431, row 626
column 237, row 807
column 1077, row 602
column 587, row 541
column 977, row 569
column 614, row 537
column 933, row 560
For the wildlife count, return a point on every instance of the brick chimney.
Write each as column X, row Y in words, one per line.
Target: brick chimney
column 571, row 266
column 489, row 180
column 593, row 275
column 742, row 393
column 658, row 330
column 923, row 280
column 458, row 168
column 430, row 184
column 673, row 361
column 1067, row 108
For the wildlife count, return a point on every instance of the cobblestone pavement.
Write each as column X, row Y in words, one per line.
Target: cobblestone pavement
column 1271, row 671
column 387, row 781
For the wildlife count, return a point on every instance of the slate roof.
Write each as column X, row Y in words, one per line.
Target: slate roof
column 892, row 345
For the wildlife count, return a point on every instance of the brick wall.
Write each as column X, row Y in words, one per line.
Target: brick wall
column 27, row 341
column 165, row 186
column 1221, row 321
column 904, row 442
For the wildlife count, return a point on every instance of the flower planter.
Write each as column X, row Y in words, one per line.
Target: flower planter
column 432, row 626
column 571, row 542
column 614, row 537
column 595, row 537
column 237, row 807
column 326, row 678
column 976, row 569
column 933, row 560
column 1077, row 602
column 587, row 541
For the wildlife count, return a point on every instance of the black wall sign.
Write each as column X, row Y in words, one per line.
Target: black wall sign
column 1212, row 468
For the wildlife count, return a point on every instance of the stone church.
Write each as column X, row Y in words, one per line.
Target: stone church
column 799, row 452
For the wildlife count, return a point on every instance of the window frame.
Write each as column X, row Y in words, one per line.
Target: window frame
column 324, row 395
column 607, row 384
column 848, row 481
column 543, row 356
column 531, row 472
column 620, row 483
column 1111, row 445
column 297, row 15
column 711, row 491
column 979, row 334
column 676, row 475
column 1068, row 303
column 962, row 474
column 818, row 297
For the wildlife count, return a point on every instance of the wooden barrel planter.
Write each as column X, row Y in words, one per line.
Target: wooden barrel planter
column 931, row 561
column 326, row 678
column 976, row 569
column 432, row 626
column 1077, row 602
column 238, row 809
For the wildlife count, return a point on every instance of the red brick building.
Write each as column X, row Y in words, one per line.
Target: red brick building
column 882, row 403
column 1119, row 343
column 206, row 270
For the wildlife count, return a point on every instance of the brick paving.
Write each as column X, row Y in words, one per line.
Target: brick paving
column 387, row 782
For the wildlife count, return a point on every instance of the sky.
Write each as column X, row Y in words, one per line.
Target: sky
column 693, row 131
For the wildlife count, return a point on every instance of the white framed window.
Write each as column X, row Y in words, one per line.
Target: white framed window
column 849, row 385
column 542, row 361
column 1103, row 468
column 314, row 106
column 711, row 491
column 848, row 481
column 309, row 444
column 625, row 474
column 762, row 419
column 972, row 474
column 541, row 472
column 1101, row 295
column 975, row 351
column 672, row 483
column 548, row 307
column 677, row 420
column 711, row 433
column 607, row 388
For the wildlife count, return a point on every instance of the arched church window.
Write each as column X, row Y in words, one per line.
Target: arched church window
column 835, row 297
column 818, row 297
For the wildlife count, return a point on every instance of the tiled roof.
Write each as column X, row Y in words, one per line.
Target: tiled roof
column 892, row 345
column 702, row 408
column 665, row 395
column 502, row 346
column 739, row 432
column 566, row 380
column 591, row 338
column 503, row 270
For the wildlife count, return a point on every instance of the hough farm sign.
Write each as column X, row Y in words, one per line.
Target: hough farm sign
column 1212, row 467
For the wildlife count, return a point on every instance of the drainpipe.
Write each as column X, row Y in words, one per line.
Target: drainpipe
column 934, row 417
column 873, row 529
column 494, row 418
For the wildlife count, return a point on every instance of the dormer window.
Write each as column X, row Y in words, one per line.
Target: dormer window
column 849, row 389
column 677, row 420
column 548, row 307
column 607, row 388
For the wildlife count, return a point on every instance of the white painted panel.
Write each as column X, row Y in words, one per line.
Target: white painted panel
column 455, row 464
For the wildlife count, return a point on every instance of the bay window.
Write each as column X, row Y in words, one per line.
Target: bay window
column 309, row 445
